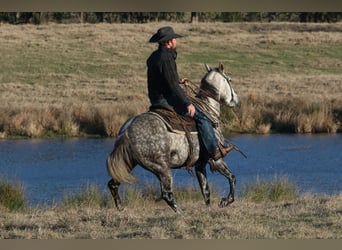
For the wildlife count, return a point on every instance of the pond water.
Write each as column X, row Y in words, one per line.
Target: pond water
column 49, row 169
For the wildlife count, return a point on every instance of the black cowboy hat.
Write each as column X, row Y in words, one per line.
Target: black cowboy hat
column 164, row 34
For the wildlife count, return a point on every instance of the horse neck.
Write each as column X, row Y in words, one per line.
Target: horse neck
column 209, row 105
column 215, row 107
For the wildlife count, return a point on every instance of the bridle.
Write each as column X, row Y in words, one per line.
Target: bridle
column 229, row 80
column 199, row 94
column 206, row 93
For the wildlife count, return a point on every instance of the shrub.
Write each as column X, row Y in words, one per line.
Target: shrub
column 11, row 195
column 277, row 189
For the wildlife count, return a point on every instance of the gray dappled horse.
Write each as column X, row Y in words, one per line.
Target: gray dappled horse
column 146, row 141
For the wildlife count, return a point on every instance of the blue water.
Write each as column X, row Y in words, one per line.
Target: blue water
column 49, row 169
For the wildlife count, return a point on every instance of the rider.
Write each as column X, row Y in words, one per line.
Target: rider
column 163, row 88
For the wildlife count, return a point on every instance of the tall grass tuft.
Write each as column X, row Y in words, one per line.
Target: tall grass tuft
column 277, row 189
column 138, row 196
column 12, row 195
column 91, row 196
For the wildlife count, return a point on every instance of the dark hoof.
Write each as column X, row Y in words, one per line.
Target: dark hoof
column 174, row 207
column 120, row 208
column 225, row 202
column 207, row 202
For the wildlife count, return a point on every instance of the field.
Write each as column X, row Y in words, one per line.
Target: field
column 92, row 215
column 87, row 79
column 83, row 79
column 303, row 219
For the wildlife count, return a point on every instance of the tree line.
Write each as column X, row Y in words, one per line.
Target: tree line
column 144, row 17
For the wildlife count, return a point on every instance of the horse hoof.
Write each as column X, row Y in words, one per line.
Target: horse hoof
column 225, row 202
column 222, row 204
column 175, row 208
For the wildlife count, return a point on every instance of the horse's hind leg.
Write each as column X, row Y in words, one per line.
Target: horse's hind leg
column 114, row 189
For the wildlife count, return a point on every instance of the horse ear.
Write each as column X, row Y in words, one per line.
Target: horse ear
column 207, row 67
column 221, row 68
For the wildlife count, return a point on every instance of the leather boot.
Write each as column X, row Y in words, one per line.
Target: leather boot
column 222, row 152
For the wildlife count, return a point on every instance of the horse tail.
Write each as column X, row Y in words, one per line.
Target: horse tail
column 119, row 162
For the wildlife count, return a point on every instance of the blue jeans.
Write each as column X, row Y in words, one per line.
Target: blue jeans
column 206, row 132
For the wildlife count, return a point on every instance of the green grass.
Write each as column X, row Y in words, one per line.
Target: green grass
column 98, row 69
column 273, row 59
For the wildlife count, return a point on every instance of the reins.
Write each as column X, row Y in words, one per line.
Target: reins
column 208, row 93
column 205, row 93
column 198, row 99
column 197, row 94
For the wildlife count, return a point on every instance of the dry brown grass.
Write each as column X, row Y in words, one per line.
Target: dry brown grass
column 266, row 210
column 293, row 115
column 307, row 217
column 55, row 78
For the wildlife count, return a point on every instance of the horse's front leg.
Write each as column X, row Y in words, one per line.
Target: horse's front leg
column 223, row 169
column 165, row 179
column 201, row 174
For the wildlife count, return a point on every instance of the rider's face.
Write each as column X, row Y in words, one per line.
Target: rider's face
column 172, row 44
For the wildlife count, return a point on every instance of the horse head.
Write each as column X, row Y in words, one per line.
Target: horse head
column 218, row 86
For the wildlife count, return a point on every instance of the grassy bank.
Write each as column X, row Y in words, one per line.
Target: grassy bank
column 81, row 79
column 92, row 215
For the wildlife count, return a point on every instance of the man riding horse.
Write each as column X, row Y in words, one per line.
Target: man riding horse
column 163, row 88
column 147, row 140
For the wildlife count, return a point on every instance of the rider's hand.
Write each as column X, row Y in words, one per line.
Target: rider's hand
column 191, row 110
column 184, row 81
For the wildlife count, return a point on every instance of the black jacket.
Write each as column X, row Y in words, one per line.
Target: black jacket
column 163, row 79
